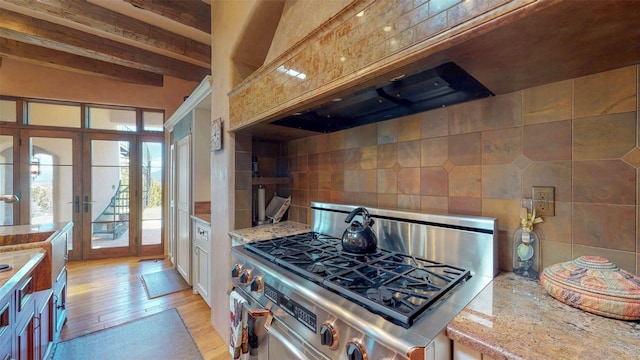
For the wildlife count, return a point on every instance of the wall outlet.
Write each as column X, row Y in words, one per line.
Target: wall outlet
column 543, row 198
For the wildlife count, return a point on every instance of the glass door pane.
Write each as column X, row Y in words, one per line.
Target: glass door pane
column 51, row 180
column 6, row 179
column 110, row 200
column 49, row 169
column 152, row 185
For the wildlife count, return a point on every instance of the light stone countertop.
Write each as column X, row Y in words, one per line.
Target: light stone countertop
column 268, row 231
column 515, row 318
column 22, row 262
column 203, row 218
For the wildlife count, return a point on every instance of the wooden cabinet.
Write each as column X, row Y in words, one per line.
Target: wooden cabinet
column 202, row 259
column 59, row 304
column 31, row 317
column 6, row 326
column 25, row 338
column 43, row 332
column 25, row 312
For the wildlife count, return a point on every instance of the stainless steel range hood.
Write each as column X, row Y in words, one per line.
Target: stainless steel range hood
column 444, row 85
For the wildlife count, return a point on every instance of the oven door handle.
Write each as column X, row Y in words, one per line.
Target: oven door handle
column 256, row 313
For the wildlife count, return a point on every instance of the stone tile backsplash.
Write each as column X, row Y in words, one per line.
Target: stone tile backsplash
column 483, row 157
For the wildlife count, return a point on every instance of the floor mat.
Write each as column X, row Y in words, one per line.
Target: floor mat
column 163, row 282
column 159, row 336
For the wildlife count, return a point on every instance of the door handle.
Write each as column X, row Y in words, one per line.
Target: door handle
column 86, row 203
column 77, row 204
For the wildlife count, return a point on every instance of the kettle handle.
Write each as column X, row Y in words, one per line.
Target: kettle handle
column 365, row 215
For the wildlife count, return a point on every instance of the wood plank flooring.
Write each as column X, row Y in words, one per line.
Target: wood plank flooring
column 109, row 292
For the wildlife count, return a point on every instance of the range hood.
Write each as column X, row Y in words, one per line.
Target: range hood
column 444, row 85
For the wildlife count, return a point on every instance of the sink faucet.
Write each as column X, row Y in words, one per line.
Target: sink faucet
column 10, row 198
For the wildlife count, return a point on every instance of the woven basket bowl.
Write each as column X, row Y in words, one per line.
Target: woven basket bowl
column 596, row 285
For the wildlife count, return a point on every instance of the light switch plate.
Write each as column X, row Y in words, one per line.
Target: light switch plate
column 543, row 198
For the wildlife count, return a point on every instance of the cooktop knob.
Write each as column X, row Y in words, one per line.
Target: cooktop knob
column 329, row 336
column 237, row 269
column 245, row 276
column 355, row 351
column 256, row 284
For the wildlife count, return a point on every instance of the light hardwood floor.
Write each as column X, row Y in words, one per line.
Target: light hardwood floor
column 106, row 293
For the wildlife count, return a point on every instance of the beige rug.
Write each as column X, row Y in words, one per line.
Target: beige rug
column 163, row 282
column 158, row 336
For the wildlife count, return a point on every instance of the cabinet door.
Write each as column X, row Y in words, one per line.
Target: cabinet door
column 59, row 304
column 6, row 335
column 464, row 352
column 44, row 330
column 195, row 262
column 204, row 282
column 183, row 201
column 25, row 339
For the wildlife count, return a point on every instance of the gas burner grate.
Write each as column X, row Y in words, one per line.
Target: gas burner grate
column 396, row 286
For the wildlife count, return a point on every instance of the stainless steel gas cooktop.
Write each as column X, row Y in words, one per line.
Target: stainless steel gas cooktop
column 396, row 286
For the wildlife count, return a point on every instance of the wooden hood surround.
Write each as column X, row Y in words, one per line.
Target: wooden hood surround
column 507, row 45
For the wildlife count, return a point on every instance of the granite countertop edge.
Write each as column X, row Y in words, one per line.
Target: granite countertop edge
column 22, row 262
column 269, row 231
column 202, row 218
column 515, row 318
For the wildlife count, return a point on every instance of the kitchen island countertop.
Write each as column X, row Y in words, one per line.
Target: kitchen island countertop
column 22, row 262
column 268, row 231
column 515, row 318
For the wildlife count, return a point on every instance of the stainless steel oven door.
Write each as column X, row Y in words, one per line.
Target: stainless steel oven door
column 258, row 336
column 286, row 345
column 278, row 343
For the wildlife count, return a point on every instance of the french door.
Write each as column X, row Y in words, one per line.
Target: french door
column 49, row 169
column 109, row 193
column 109, row 184
column 122, row 202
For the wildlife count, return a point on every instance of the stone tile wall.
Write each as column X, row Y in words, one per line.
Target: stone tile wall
column 483, row 157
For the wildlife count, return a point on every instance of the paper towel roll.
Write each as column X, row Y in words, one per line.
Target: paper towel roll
column 261, row 203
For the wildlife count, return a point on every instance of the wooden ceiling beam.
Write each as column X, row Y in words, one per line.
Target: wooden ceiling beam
column 86, row 15
column 34, row 31
column 65, row 61
column 192, row 13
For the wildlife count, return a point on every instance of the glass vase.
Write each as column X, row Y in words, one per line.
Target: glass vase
column 526, row 253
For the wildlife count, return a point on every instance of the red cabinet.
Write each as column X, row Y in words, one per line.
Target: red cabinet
column 25, row 306
column 6, row 326
column 30, row 320
column 43, row 338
